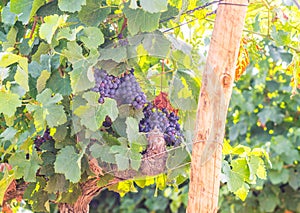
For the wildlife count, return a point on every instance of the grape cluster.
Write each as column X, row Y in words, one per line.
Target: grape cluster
column 165, row 121
column 129, row 92
column 106, row 85
column 39, row 140
column 125, row 90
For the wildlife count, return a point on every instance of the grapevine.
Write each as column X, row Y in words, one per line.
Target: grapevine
column 126, row 90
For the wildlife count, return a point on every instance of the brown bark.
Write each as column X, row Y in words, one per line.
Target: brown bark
column 153, row 163
column 89, row 191
column 214, row 98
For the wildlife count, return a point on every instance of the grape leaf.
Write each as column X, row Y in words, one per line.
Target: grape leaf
column 24, row 167
column 25, row 9
column 68, row 197
column 93, row 114
column 68, row 33
column 132, row 129
column 47, row 110
column 92, row 14
column 8, row 17
column 154, row 6
column 56, row 183
column 242, row 192
column 60, row 84
column 92, row 37
column 102, row 151
column 42, row 79
column 81, row 66
column 122, row 162
column 21, row 77
column 68, row 162
column 50, row 25
column 147, row 21
column 71, row 5
column 22, row 8
column 9, row 103
column 10, row 39
column 186, row 101
column 117, row 54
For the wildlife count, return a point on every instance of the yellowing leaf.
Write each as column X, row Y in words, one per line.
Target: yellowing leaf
column 242, row 61
column 21, row 77
column 242, row 192
column 7, row 59
column 261, row 170
column 41, row 81
column 50, row 26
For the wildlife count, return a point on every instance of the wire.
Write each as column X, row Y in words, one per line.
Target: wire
column 193, row 10
column 208, row 14
column 233, row 4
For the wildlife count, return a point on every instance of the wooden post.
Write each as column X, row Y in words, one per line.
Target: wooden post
column 214, row 99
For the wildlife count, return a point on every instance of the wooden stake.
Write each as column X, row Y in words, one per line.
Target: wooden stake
column 214, row 99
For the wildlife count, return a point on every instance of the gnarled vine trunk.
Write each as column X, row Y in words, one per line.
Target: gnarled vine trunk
column 214, row 98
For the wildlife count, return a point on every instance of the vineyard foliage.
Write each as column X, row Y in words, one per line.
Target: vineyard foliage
column 57, row 113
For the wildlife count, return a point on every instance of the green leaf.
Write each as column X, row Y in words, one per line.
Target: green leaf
column 135, row 159
column 132, row 129
column 23, row 8
column 48, row 110
column 181, row 96
column 294, row 179
column 70, row 5
column 268, row 200
column 23, row 167
column 122, row 162
column 48, row 9
column 147, row 22
column 154, row 6
column 92, row 14
column 9, row 103
column 108, row 108
column 92, row 37
column 121, row 156
column 68, row 162
column 68, row 33
column 60, row 84
column 102, row 151
column 56, row 183
column 82, row 66
column 8, row 17
column 117, row 54
column 50, row 25
column 68, row 197
column 93, row 114
column 277, row 177
column 11, row 39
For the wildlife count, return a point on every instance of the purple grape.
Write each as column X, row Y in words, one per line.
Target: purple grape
column 105, row 84
column 39, row 140
column 164, row 121
column 129, row 92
